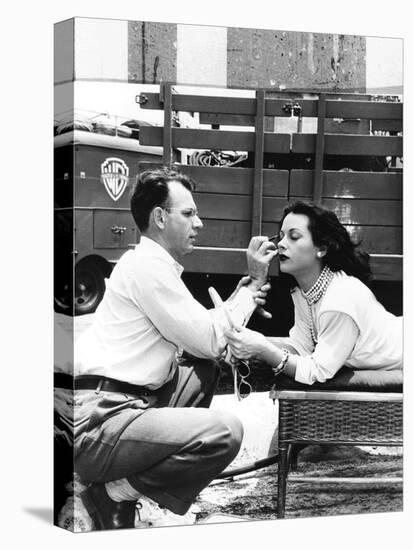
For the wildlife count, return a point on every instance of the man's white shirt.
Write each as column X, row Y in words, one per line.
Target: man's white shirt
column 148, row 316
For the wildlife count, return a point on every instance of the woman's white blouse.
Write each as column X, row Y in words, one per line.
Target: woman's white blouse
column 352, row 329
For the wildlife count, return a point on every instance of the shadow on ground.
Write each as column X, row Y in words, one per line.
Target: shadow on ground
column 254, row 495
column 44, row 514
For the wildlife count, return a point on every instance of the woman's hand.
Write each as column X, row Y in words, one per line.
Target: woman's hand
column 245, row 343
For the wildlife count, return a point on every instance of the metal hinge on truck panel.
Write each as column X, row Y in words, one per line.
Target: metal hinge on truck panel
column 141, row 99
column 295, row 109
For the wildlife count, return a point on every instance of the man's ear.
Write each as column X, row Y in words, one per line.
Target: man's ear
column 158, row 216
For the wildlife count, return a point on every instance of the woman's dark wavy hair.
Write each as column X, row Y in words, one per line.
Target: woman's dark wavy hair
column 326, row 230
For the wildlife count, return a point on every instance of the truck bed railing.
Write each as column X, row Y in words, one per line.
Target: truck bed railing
column 350, row 161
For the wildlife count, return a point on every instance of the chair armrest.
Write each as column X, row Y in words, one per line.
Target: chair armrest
column 367, row 380
column 336, row 395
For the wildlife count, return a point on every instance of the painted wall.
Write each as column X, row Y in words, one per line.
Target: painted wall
column 152, row 51
column 136, row 51
column 281, row 59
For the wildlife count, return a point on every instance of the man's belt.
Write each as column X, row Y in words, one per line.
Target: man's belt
column 99, row 383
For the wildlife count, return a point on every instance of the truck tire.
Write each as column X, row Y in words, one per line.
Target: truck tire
column 87, row 289
column 62, row 297
column 89, row 286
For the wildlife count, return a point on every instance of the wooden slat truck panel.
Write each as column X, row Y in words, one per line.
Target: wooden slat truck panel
column 216, row 139
column 275, row 107
column 230, row 234
column 387, row 125
column 350, row 145
column 236, row 207
column 366, row 212
column 387, row 267
column 372, row 110
column 384, row 116
column 238, row 106
column 336, row 184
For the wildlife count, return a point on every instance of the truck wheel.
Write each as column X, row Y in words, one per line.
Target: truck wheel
column 89, row 287
column 62, row 297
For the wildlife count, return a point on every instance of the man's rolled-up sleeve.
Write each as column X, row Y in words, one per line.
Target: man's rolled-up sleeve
column 180, row 318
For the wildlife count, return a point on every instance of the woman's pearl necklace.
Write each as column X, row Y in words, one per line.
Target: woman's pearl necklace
column 315, row 293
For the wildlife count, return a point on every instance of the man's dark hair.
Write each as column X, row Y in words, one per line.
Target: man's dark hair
column 151, row 189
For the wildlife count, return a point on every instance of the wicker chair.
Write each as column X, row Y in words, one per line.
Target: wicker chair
column 353, row 408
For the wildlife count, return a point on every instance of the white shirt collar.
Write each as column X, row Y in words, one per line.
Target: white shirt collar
column 159, row 250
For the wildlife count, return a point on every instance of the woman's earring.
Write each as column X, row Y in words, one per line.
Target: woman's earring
column 318, row 254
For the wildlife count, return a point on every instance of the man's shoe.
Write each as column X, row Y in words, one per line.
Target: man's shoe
column 105, row 512
column 150, row 514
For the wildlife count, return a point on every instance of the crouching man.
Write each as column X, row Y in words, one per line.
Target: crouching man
column 143, row 429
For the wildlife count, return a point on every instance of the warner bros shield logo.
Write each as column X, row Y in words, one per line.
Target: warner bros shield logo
column 115, row 176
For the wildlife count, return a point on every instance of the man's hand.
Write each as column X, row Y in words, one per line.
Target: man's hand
column 259, row 255
column 260, row 298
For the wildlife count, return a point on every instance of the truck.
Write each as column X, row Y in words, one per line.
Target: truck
column 94, row 165
column 249, row 157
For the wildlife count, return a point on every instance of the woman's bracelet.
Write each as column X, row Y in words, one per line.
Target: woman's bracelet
column 283, row 363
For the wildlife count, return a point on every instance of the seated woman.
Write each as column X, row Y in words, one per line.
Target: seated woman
column 338, row 320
